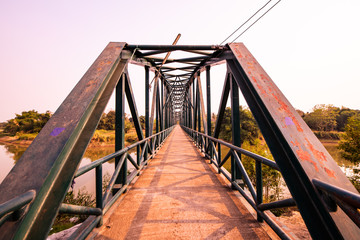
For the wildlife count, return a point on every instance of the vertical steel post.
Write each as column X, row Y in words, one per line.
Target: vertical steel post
column 147, row 105
column 198, row 113
column 165, row 106
column 98, row 185
column 157, row 104
column 219, row 156
column 138, row 147
column 191, row 107
column 194, row 104
column 119, row 128
column 162, row 105
column 147, row 101
column 208, row 104
column 259, row 187
column 98, row 190
column 235, row 122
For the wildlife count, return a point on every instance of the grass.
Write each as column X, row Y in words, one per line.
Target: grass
column 26, row 136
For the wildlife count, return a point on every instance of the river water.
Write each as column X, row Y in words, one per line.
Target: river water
column 9, row 154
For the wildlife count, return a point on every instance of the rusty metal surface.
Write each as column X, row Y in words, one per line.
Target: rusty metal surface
column 312, row 157
column 50, row 162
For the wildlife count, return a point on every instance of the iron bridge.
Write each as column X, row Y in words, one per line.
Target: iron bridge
column 32, row 194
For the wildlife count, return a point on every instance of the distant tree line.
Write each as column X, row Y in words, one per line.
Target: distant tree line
column 328, row 117
column 27, row 122
column 248, row 126
column 107, row 121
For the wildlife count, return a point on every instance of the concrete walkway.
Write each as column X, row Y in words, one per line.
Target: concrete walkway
column 179, row 196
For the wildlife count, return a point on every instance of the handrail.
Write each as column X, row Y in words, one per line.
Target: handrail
column 348, row 201
column 15, row 204
column 107, row 158
column 253, row 198
column 105, row 200
column 257, row 157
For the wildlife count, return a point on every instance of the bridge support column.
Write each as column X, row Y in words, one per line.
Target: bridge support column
column 235, row 122
column 147, row 105
column 208, row 105
column 120, row 130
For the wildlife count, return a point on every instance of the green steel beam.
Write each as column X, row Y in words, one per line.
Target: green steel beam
column 222, row 105
column 299, row 154
column 132, row 105
column 235, row 127
column 60, row 146
column 120, row 130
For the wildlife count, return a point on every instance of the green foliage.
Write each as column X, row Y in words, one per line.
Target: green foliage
column 103, row 136
column 328, row 135
column 142, row 122
column 28, row 122
column 322, row 118
column 107, row 121
column 131, row 137
column 351, row 142
column 328, row 117
column 271, row 177
column 355, row 178
column 26, row 136
column 63, row 221
column 248, row 127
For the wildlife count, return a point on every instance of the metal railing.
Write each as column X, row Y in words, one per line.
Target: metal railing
column 14, row 208
column 146, row 149
column 255, row 199
column 333, row 196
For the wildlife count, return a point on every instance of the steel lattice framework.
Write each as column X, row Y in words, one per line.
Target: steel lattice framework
column 327, row 200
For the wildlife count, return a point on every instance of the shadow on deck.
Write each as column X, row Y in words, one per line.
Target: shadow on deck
column 179, row 196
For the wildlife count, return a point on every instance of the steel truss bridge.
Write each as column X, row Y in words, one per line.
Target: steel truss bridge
column 33, row 192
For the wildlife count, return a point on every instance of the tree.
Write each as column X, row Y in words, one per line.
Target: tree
column 343, row 116
column 249, row 130
column 27, row 122
column 350, row 145
column 107, row 121
column 322, row 118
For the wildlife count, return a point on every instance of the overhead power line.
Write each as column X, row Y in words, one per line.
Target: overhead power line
column 249, row 20
column 245, row 22
column 256, row 21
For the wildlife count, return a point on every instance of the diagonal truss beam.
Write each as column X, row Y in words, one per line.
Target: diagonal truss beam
column 132, row 105
column 222, row 105
column 60, row 145
column 202, row 105
column 299, row 154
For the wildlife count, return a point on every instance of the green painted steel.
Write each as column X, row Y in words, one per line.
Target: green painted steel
column 120, row 130
column 81, row 210
column 297, row 151
column 236, row 174
column 16, row 204
column 60, row 146
column 328, row 202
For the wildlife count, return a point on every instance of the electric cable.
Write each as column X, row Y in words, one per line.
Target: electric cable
column 246, row 22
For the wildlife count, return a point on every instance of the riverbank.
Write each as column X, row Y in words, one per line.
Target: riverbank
column 101, row 138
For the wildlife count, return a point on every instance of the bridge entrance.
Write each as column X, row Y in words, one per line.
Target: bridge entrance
column 180, row 196
column 32, row 194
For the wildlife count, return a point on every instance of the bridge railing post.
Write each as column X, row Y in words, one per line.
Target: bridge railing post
column 98, row 186
column 236, row 175
column 120, row 130
column 259, row 187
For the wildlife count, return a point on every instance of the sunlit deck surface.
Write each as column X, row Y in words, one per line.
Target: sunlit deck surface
column 179, row 196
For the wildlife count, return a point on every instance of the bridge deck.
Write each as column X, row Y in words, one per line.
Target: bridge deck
column 179, row 196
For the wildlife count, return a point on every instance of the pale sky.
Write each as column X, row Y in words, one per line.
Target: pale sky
column 310, row 49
